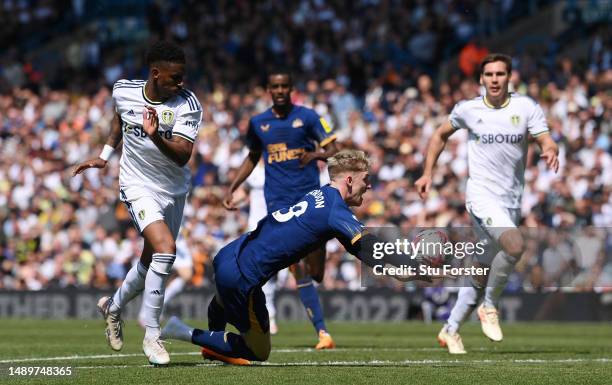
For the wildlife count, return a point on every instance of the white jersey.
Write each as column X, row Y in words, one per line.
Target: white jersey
column 142, row 163
column 497, row 146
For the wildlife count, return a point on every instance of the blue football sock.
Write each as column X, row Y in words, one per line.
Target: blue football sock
column 216, row 316
column 310, row 299
column 225, row 343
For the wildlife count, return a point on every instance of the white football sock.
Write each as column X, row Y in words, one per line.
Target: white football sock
column 173, row 289
column 153, row 297
column 467, row 299
column 501, row 268
column 132, row 285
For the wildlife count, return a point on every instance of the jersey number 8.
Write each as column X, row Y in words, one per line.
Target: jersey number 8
column 294, row 211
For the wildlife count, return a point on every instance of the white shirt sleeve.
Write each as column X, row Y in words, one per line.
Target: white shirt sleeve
column 455, row 118
column 188, row 122
column 536, row 123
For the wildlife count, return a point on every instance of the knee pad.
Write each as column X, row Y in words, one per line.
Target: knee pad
column 162, row 263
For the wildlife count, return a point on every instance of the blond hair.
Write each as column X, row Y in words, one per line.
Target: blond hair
column 347, row 161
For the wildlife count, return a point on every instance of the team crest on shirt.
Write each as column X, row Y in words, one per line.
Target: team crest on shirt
column 141, row 215
column 265, row 127
column 515, row 119
column 167, row 116
column 297, row 123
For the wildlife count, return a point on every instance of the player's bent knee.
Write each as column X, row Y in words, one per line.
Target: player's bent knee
column 315, row 264
column 259, row 343
column 512, row 243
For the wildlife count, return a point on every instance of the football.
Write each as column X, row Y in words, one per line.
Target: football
column 429, row 245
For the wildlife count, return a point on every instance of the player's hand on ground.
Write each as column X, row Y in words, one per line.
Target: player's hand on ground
column 150, row 121
column 92, row 163
column 228, row 201
column 307, row 157
column 551, row 159
column 423, row 185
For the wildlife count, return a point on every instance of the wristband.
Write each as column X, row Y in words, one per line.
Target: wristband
column 106, row 153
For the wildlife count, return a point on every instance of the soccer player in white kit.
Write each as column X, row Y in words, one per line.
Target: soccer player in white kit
column 498, row 125
column 158, row 121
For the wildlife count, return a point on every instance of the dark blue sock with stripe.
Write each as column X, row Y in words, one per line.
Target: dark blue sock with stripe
column 225, row 343
column 310, row 299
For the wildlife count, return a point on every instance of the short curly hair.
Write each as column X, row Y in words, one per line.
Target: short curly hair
column 347, row 161
column 165, row 51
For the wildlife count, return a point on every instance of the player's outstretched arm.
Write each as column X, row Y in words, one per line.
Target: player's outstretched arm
column 329, row 150
column 176, row 149
column 111, row 143
column 550, row 151
column 246, row 168
column 434, row 149
column 364, row 249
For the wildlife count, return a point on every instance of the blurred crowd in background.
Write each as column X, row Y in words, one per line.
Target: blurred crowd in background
column 372, row 74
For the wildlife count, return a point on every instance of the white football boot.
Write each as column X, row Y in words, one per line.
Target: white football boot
column 114, row 324
column 155, row 351
column 489, row 320
column 451, row 341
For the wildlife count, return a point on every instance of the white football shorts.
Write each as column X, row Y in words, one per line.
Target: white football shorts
column 146, row 206
column 490, row 221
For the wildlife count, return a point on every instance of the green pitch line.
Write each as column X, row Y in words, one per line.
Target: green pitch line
column 368, row 353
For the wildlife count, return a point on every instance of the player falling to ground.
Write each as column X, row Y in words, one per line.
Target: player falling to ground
column 158, row 120
column 498, row 125
column 286, row 135
column 281, row 239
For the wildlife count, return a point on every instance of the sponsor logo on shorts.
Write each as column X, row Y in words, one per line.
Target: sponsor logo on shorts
column 141, row 215
column 489, row 221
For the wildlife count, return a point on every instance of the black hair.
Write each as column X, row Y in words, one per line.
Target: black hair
column 279, row 71
column 165, row 51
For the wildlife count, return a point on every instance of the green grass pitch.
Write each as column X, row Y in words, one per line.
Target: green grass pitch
column 367, row 353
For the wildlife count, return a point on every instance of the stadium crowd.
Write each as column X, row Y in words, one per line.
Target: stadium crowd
column 360, row 73
column 62, row 231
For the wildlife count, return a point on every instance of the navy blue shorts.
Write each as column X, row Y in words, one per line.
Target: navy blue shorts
column 243, row 303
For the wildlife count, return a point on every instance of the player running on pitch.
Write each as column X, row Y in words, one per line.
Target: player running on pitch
column 498, row 125
column 286, row 135
column 282, row 238
column 158, row 121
